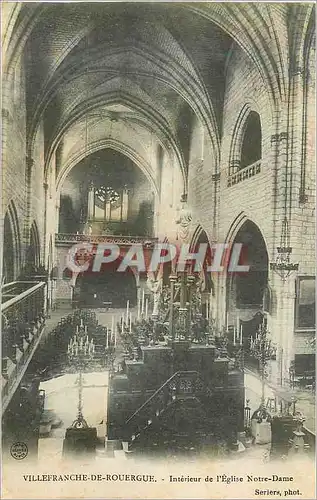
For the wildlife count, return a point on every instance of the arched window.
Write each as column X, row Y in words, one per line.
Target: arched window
column 251, row 148
column 8, row 251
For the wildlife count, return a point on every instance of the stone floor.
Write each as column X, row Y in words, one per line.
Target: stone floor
column 61, row 396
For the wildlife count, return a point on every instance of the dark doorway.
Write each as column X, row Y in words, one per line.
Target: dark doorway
column 246, row 289
column 107, row 288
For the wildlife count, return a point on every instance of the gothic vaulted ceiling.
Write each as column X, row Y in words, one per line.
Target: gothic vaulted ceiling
column 138, row 71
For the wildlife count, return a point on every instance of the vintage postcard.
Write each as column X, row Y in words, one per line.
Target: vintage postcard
column 158, row 250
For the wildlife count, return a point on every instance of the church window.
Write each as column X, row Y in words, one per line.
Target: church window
column 111, row 204
column 251, row 150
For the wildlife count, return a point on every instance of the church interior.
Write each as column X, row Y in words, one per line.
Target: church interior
column 134, row 124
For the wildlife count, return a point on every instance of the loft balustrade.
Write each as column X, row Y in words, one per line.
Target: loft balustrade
column 23, row 311
column 244, row 173
column 71, row 238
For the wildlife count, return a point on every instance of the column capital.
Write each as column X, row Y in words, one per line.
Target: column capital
column 275, row 138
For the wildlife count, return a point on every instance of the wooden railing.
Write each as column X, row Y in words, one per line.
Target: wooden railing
column 182, row 384
column 22, row 322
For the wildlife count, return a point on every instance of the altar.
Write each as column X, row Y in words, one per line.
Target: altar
column 176, row 391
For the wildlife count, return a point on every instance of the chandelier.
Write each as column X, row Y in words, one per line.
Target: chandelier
column 80, row 352
column 283, row 265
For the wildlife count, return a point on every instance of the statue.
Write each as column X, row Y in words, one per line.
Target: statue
column 184, row 219
column 86, row 229
column 155, row 286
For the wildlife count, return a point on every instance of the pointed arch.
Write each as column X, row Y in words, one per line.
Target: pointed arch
column 12, row 248
column 245, row 292
column 196, row 234
column 246, row 143
column 109, row 143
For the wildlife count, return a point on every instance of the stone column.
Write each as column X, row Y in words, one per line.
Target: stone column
column 283, row 327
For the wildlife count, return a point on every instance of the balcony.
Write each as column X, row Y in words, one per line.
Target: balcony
column 66, row 239
column 23, row 317
column 244, row 173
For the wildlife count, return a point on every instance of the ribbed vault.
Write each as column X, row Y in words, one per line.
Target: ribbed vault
column 161, row 60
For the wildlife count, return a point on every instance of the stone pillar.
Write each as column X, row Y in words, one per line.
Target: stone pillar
column 45, row 249
column 57, row 205
column 282, row 328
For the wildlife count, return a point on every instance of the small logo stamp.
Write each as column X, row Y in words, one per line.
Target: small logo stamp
column 19, row 450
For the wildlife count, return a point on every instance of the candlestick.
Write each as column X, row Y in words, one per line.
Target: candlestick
column 128, row 304
column 238, row 324
column 142, row 303
column 139, row 306
column 107, row 341
column 77, row 329
column 85, row 329
column 234, row 335
column 241, row 334
column 112, row 324
column 81, row 323
column 146, row 308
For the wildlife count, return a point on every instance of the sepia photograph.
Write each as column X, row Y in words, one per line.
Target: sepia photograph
column 158, row 251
